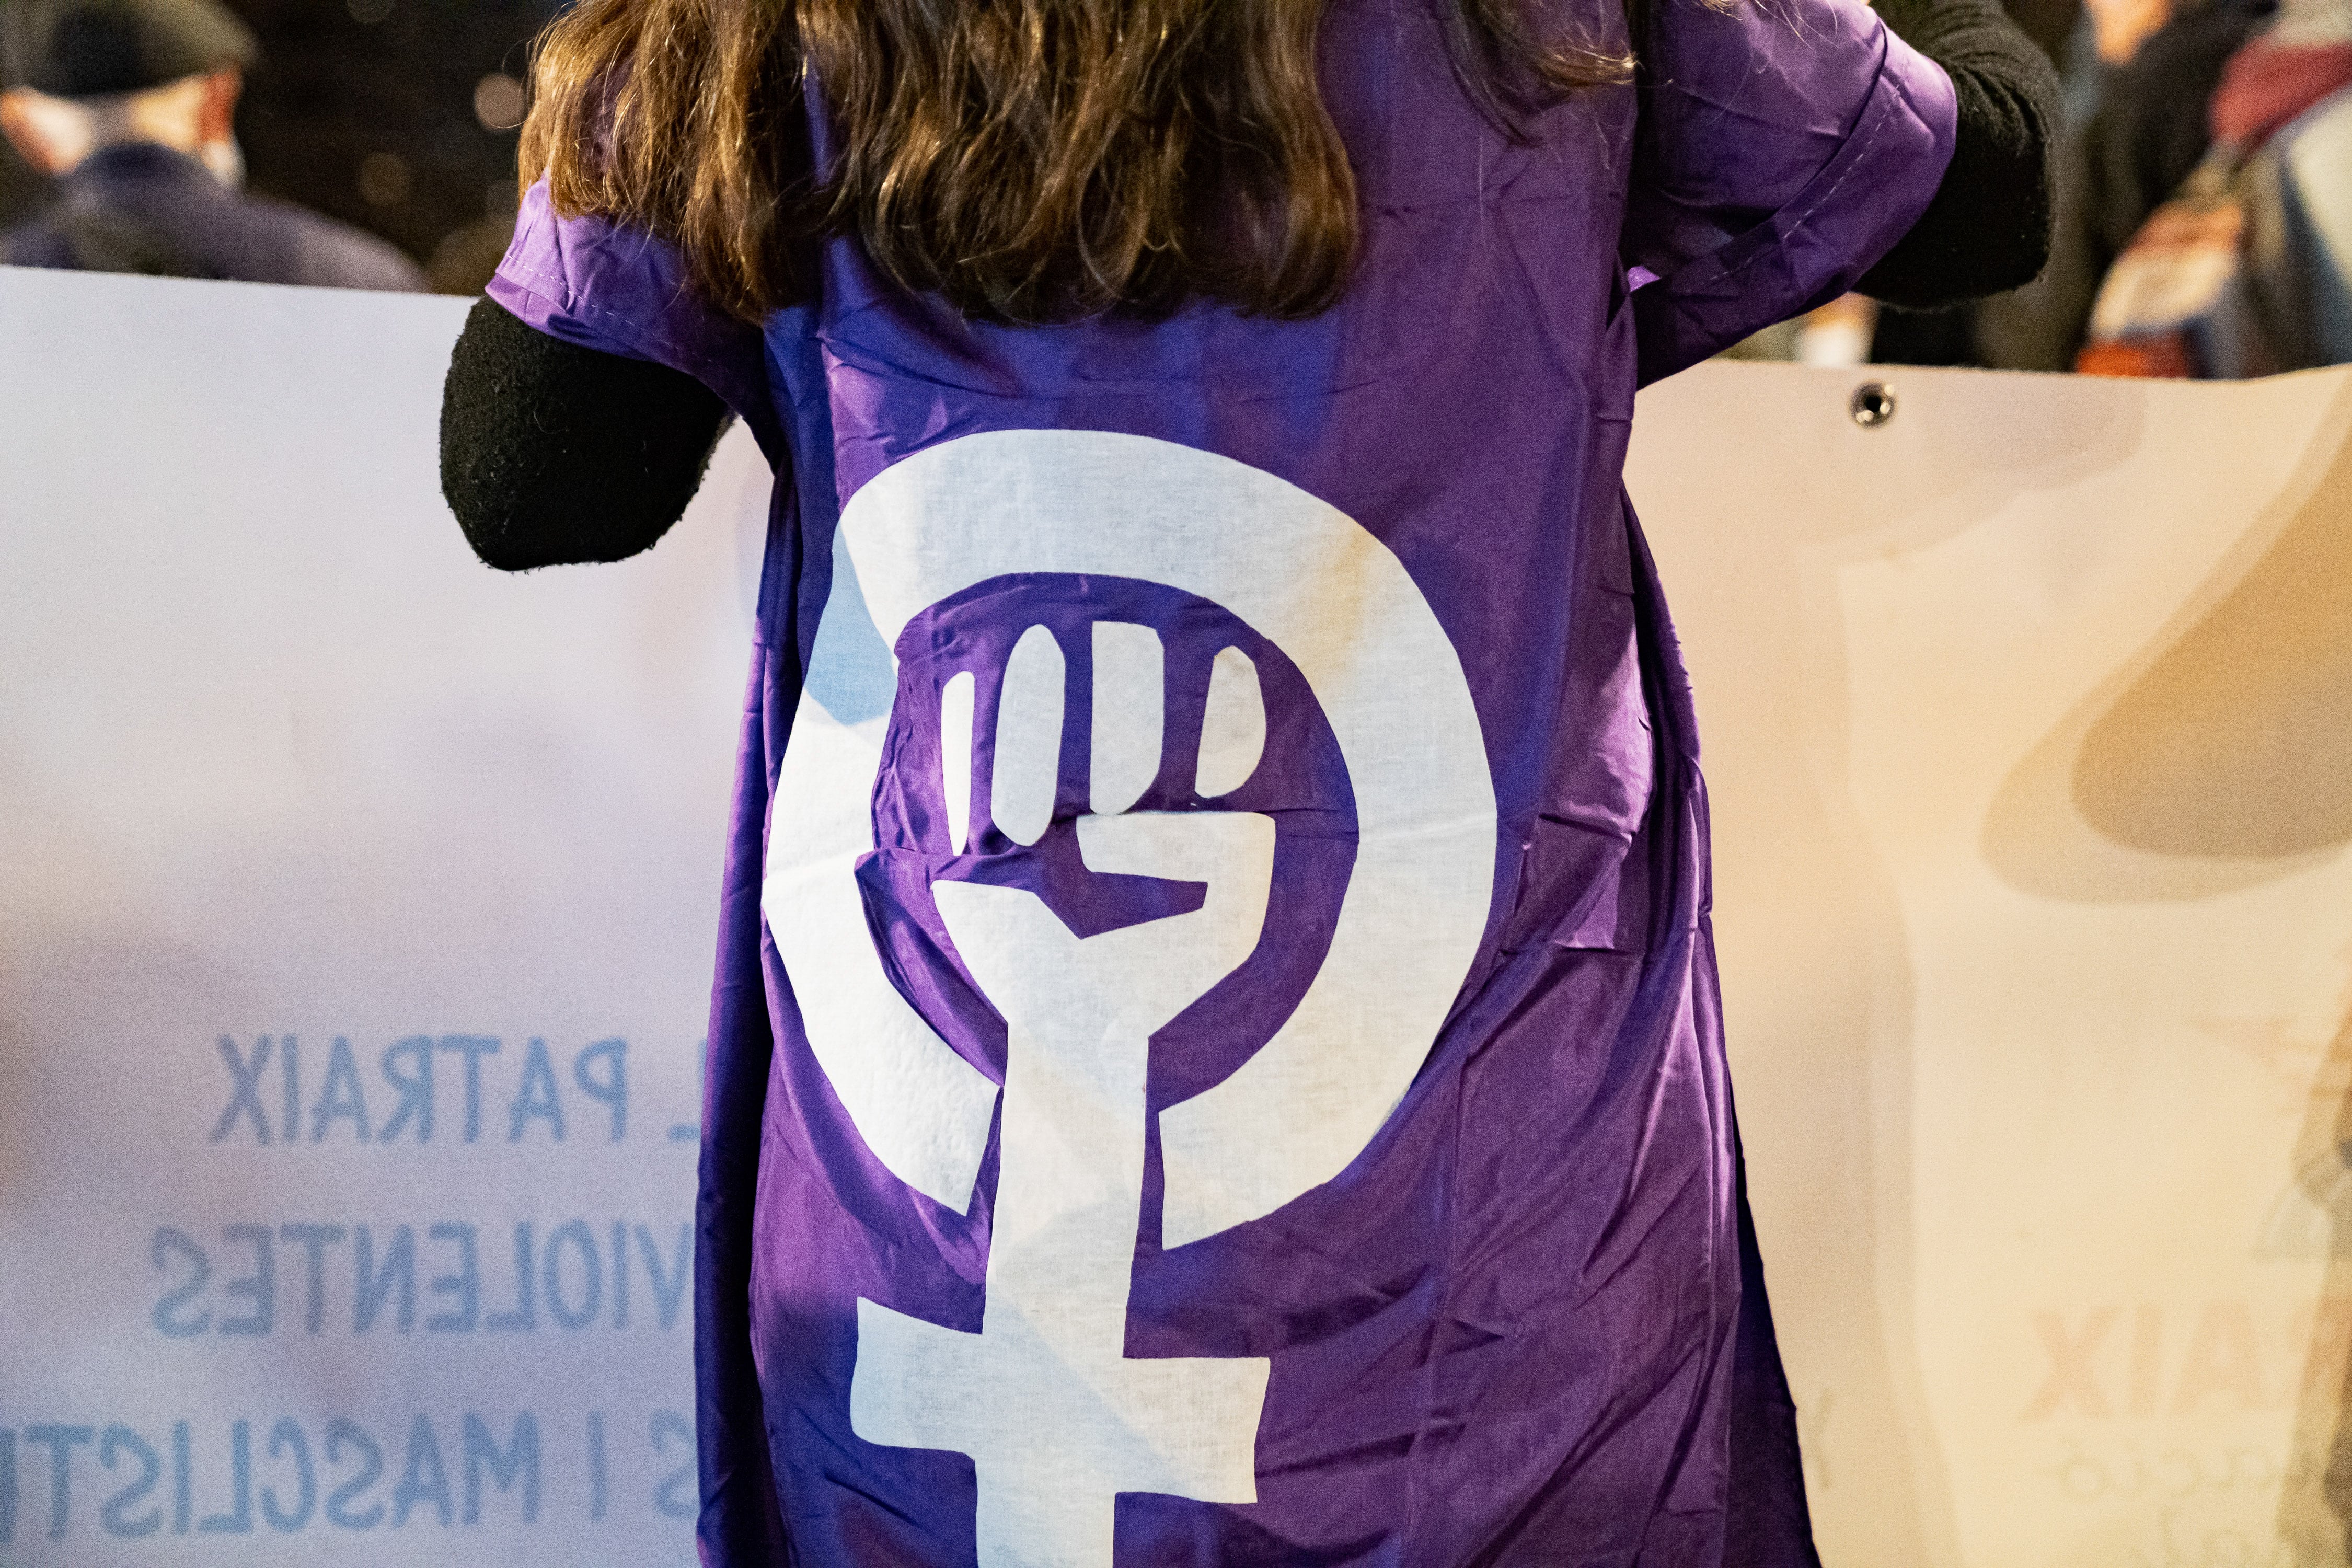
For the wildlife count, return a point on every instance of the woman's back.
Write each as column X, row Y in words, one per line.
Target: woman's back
column 1222, row 1064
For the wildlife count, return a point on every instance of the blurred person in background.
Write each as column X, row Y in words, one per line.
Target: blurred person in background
column 2247, row 270
column 2160, row 62
column 128, row 105
column 2141, row 77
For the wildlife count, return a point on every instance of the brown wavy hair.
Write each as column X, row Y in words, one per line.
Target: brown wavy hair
column 1030, row 160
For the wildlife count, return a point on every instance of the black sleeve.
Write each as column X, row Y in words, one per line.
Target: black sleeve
column 553, row 453
column 1988, row 229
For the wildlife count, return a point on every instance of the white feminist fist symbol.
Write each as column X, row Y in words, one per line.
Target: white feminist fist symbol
column 1056, row 1420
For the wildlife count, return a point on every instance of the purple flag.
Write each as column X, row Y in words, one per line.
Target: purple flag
column 1215, row 1056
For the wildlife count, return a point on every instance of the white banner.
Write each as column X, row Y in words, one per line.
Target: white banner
column 357, row 906
column 2029, row 730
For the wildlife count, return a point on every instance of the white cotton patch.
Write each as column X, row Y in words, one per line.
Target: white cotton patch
column 1129, row 715
column 955, row 754
column 1232, row 730
column 1028, row 764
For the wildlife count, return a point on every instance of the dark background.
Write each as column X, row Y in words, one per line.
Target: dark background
column 373, row 120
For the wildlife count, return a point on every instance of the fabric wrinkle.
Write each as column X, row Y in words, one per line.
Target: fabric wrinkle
column 1499, row 1323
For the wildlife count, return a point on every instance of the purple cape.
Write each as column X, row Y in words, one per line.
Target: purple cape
column 1215, row 1056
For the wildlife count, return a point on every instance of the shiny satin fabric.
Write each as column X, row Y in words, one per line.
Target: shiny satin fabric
column 1108, row 1179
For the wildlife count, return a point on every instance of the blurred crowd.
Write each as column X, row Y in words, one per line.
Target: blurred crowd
column 393, row 119
column 2204, row 225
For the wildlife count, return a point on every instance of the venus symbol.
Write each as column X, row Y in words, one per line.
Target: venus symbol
column 1055, row 1420
column 1056, row 1417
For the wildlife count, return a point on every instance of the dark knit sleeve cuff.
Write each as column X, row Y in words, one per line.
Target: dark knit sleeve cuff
column 1988, row 229
column 551, row 452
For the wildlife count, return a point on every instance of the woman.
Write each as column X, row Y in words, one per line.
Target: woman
column 1215, row 1056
